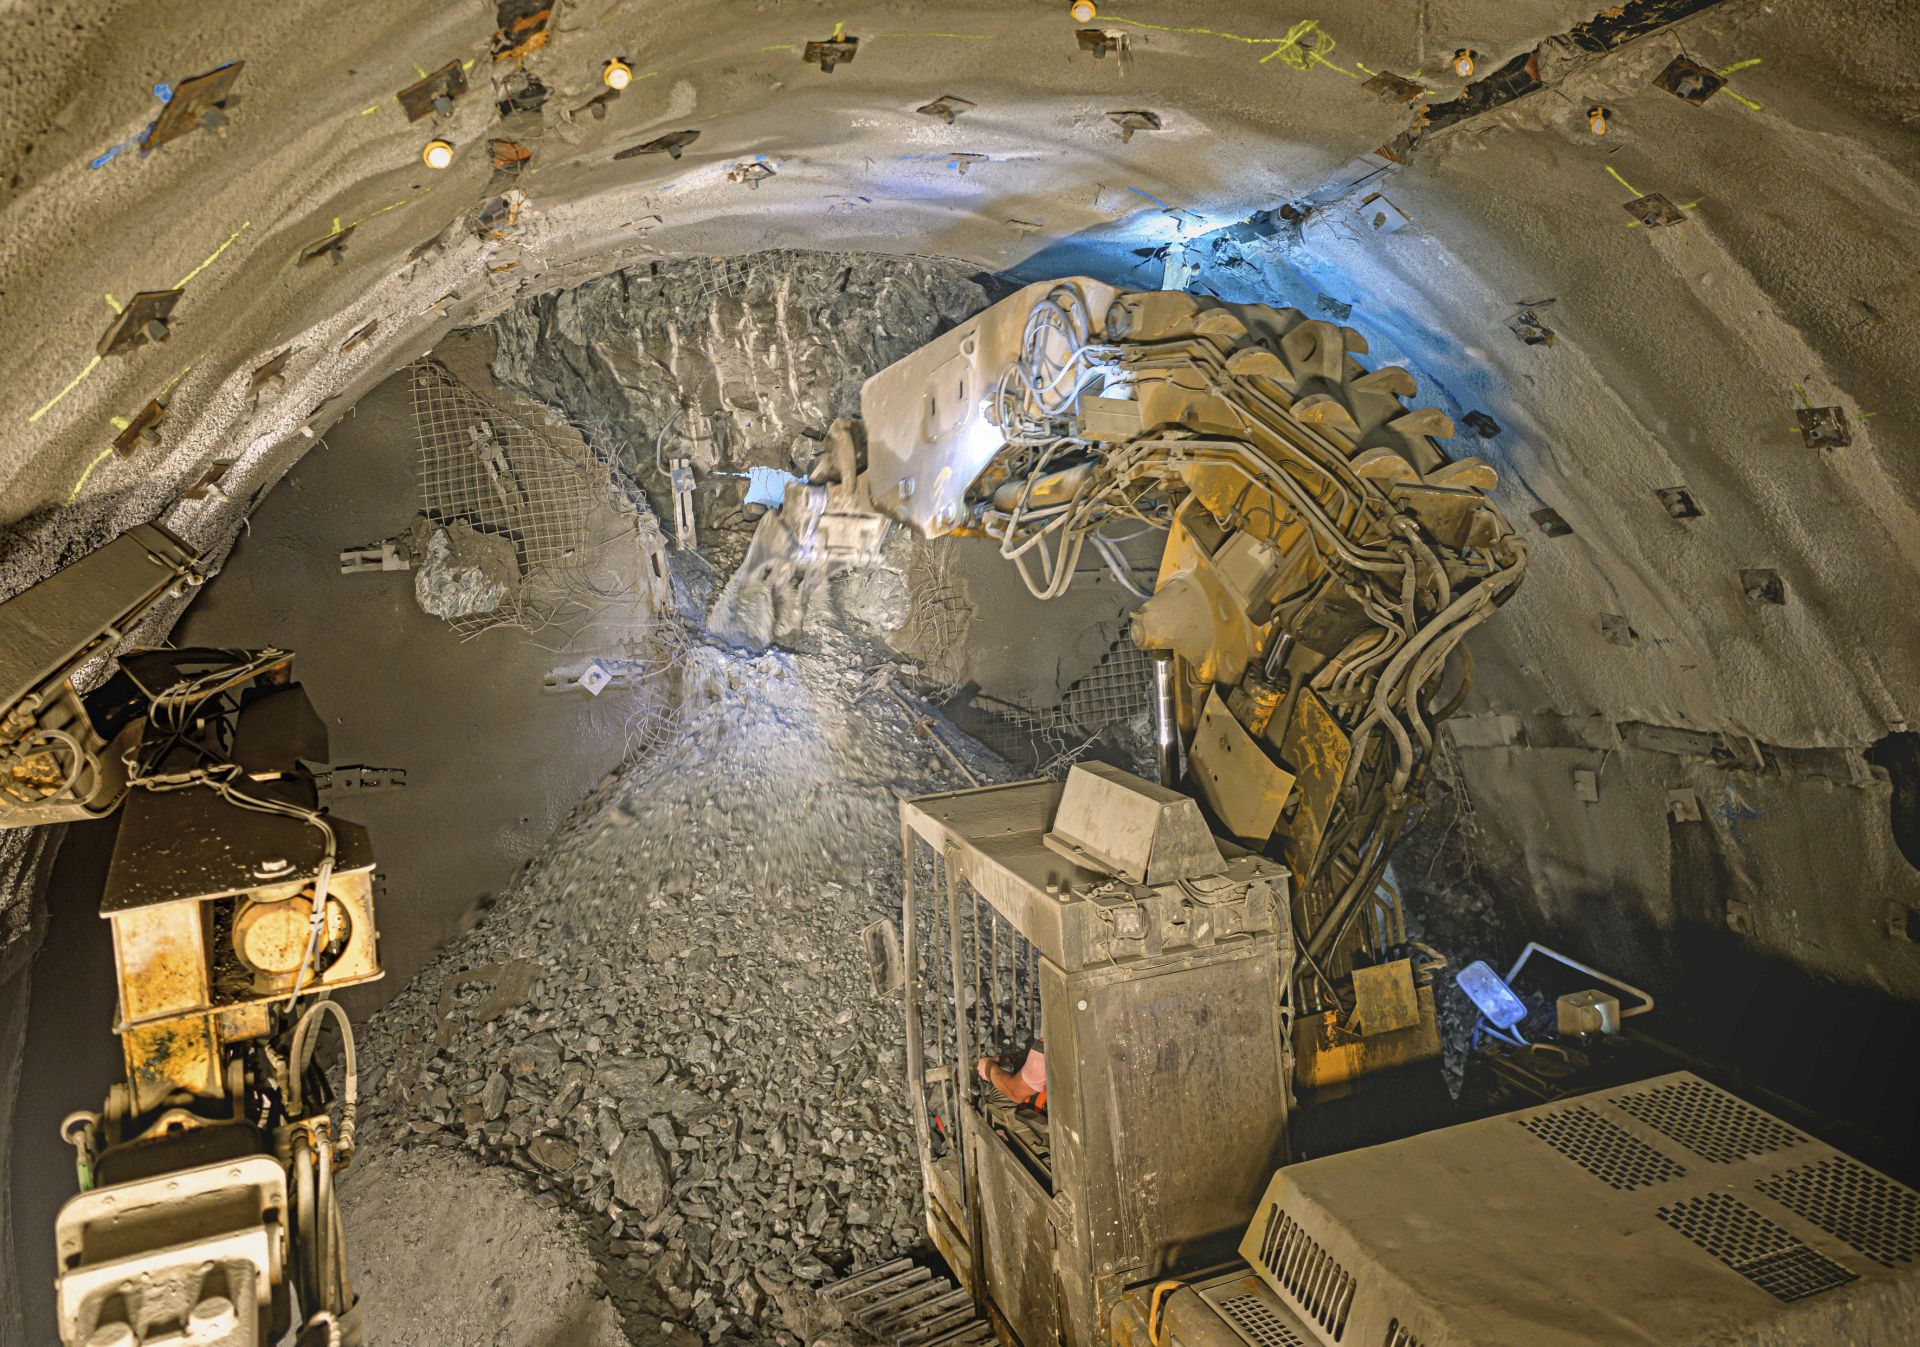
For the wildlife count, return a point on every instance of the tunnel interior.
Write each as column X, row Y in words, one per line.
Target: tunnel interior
column 485, row 442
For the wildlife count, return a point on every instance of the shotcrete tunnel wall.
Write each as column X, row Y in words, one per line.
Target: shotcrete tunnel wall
column 1669, row 760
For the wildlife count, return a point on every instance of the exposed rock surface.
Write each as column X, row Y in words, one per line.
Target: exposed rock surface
column 463, row 572
column 667, row 1028
column 731, row 364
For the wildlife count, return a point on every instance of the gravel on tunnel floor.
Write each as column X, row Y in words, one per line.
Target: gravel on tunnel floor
column 666, row 1028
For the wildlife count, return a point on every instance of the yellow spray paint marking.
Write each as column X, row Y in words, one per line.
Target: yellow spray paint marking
column 245, row 225
column 113, row 303
column 120, row 423
column 784, row 46
column 168, row 387
column 73, row 384
column 1635, row 224
column 419, row 71
column 1292, row 49
column 395, row 205
column 1807, row 401
column 99, row 458
column 1296, row 53
column 957, row 37
column 1614, row 173
column 1725, row 71
column 839, row 31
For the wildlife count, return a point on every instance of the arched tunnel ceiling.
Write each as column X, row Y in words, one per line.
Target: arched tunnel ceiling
column 1682, row 353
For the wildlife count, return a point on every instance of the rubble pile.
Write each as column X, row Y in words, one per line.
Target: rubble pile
column 667, row 1025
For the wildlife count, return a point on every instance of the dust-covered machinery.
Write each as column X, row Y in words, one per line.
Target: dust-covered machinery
column 237, row 907
column 1324, row 559
column 1099, row 920
column 1667, row 1213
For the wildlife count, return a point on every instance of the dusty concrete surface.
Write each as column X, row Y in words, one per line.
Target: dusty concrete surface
column 524, row 1277
column 493, row 763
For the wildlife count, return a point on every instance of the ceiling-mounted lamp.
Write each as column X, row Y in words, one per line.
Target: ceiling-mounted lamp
column 1463, row 62
column 1083, row 11
column 618, row 74
column 437, row 154
column 1597, row 119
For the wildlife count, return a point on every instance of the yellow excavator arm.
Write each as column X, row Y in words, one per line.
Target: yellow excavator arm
column 1323, row 561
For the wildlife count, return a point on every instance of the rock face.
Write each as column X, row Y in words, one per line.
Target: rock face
column 667, row 1028
column 464, row 572
column 732, row 364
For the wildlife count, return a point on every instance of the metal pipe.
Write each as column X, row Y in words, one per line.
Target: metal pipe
column 961, row 1048
column 1167, row 749
column 910, row 959
column 993, row 974
column 1277, row 657
column 1535, row 947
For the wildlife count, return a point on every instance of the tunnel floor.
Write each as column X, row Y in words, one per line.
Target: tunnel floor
column 666, row 1034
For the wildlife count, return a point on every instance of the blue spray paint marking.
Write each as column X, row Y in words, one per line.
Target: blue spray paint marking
column 1734, row 812
column 1151, row 197
column 162, row 91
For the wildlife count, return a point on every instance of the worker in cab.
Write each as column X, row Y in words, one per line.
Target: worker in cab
column 1028, row 1086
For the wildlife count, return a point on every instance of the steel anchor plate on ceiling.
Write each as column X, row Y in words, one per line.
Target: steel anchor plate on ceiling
column 143, row 320
column 197, row 102
column 434, row 93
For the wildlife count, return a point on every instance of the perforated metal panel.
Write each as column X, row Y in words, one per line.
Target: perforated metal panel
column 1708, row 1121
column 1256, row 1321
column 1606, row 1151
column 1754, row 1246
column 1617, row 1201
column 1867, row 1211
column 1318, row 1287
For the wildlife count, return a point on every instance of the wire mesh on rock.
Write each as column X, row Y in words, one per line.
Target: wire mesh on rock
column 1113, row 702
column 481, row 465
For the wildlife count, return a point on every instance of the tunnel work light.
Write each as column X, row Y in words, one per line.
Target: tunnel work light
column 618, row 74
column 1463, row 62
column 1083, row 11
column 437, row 153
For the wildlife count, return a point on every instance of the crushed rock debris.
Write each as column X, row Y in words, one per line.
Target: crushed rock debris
column 666, row 1028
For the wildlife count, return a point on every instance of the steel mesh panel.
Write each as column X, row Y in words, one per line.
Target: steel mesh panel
column 1119, row 688
column 1614, row 1156
column 1863, row 1209
column 1112, row 694
column 1762, row 1252
column 479, row 464
column 1707, row 1121
column 1257, row 1322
